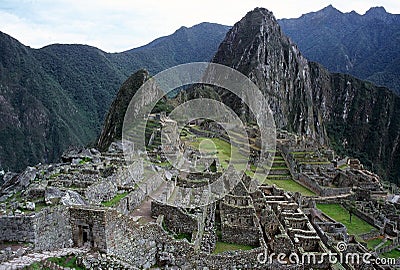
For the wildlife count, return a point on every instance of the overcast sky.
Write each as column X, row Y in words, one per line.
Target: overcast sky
column 118, row 25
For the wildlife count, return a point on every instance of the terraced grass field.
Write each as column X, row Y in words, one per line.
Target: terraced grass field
column 291, row 185
column 357, row 226
column 224, row 150
column 372, row 243
column 392, row 254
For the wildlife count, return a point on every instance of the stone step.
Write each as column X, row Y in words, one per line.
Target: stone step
column 28, row 259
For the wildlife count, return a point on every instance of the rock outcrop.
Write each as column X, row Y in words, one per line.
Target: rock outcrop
column 112, row 129
column 257, row 47
column 354, row 116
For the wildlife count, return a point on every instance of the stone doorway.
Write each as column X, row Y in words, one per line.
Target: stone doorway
column 85, row 236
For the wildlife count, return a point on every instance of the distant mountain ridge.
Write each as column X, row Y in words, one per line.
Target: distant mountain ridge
column 356, row 117
column 58, row 95
column 365, row 46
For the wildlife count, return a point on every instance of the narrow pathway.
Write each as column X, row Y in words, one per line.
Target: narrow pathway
column 26, row 260
column 144, row 209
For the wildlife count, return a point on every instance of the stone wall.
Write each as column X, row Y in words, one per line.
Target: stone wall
column 136, row 197
column 144, row 246
column 131, row 201
column 237, row 210
column 130, row 242
column 53, row 229
column 133, row 173
column 241, row 235
column 370, row 235
column 148, row 245
column 18, row 228
column 322, row 191
column 332, row 200
column 208, row 237
column 102, row 261
column 175, row 218
column 101, row 192
column 89, row 226
column 48, row 229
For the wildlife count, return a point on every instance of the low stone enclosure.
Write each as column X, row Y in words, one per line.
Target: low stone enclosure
column 268, row 219
column 334, row 235
column 318, row 170
column 47, row 230
column 115, row 234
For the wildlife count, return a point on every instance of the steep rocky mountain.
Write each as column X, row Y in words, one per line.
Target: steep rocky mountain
column 112, row 129
column 59, row 95
column 355, row 116
column 257, row 47
column 365, row 46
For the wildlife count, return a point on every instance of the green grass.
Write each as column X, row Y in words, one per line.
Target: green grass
column 391, row 254
column 164, row 164
column 85, row 160
column 343, row 166
column 55, row 175
column 372, row 243
column 115, row 200
column 222, row 148
column 290, row 185
column 279, row 168
column 35, row 266
column 278, row 163
column 222, row 246
column 38, row 207
column 184, row 236
column 315, row 163
column 340, row 214
column 302, row 153
column 69, row 262
column 276, row 176
column 387, row 243
column 16, row 197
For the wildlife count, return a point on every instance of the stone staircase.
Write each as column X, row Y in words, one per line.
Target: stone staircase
column 28, row 259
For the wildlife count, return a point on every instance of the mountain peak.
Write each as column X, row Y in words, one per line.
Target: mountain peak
column 376, row 11
column 330, row 10
column 256, row 47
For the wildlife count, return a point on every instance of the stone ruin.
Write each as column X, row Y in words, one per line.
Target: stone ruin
column 96, row 200
column 318, row 170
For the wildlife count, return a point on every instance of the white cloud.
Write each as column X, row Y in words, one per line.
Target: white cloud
column 124, row 24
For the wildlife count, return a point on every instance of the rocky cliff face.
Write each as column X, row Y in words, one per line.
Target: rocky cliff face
column 112, row 129
column 257, row 47
column 356, row 117
column 363, row 121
